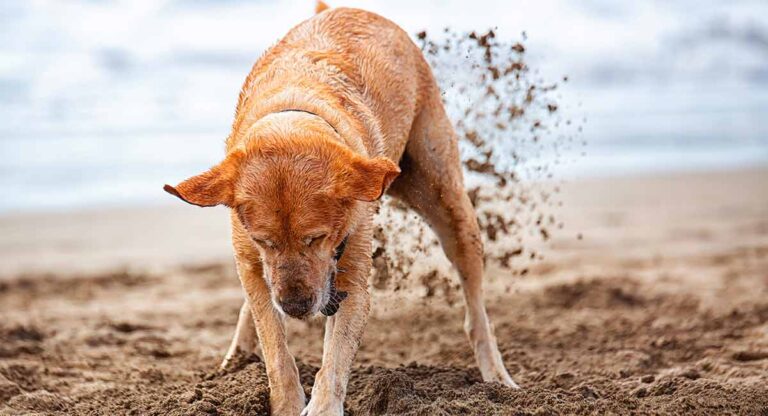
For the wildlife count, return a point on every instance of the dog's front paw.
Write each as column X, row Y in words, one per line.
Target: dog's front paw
column 286, row 407
column 287, row 402
column 318, row 407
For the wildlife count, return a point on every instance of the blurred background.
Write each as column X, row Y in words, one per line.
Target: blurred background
column 102, row 102
column 635, row 281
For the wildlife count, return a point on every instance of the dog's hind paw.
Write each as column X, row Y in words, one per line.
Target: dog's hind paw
column 238, row 360
column 501, row 377
column 492, row 366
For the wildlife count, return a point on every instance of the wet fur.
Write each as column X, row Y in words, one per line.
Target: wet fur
column 319, row 120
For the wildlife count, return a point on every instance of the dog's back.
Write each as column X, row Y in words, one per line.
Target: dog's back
column 354, row 60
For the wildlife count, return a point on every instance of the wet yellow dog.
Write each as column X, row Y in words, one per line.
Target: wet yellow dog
column 341, row 110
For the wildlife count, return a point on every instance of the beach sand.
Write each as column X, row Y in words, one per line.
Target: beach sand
column 652, row 299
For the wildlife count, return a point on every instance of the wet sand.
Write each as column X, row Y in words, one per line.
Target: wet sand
column 653, row 299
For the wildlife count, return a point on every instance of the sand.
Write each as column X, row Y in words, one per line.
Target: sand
column 653, row 299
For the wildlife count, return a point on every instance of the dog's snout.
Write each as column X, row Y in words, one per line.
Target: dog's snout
column 297, row 306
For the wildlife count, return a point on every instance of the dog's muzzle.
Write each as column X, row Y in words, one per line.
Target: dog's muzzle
column 297, row 307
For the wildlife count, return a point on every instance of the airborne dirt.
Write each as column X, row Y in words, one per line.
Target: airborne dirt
column 512, row 132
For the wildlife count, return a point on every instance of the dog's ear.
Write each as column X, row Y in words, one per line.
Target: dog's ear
column 367, row 179
column 214, row 187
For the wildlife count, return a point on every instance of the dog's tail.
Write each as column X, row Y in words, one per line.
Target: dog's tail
column 321, row 6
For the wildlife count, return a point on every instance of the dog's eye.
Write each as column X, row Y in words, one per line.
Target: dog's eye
column 264, row 242
column 308, row 241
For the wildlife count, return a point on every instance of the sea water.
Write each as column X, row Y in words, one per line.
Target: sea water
column 101, row 103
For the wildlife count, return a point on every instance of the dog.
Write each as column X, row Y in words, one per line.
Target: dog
column 321, row 121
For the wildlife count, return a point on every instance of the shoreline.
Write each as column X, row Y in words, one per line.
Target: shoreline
column 159, row 200
column 171, row 234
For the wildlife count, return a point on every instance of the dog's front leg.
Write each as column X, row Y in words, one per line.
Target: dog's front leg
column 286, row 397
column 343, row 332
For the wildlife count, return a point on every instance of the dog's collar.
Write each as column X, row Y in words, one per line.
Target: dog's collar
column 314, row 114
column 336, row 296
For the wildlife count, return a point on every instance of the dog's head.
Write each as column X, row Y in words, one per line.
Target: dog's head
column 295, row 193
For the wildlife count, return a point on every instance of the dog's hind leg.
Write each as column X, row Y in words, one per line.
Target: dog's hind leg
column 432, row 183
column 244, row 339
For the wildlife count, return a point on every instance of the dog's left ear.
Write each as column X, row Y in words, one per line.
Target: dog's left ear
column 214, row 187
column 368, row 179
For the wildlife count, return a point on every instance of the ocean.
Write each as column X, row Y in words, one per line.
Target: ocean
column 101, row 103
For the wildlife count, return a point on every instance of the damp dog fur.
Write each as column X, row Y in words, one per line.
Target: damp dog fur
column 341, row 110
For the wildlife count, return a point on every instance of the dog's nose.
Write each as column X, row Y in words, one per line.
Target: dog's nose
column 296, row 306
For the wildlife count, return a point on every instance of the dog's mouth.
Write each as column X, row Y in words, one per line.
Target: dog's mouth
column 335, row 297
